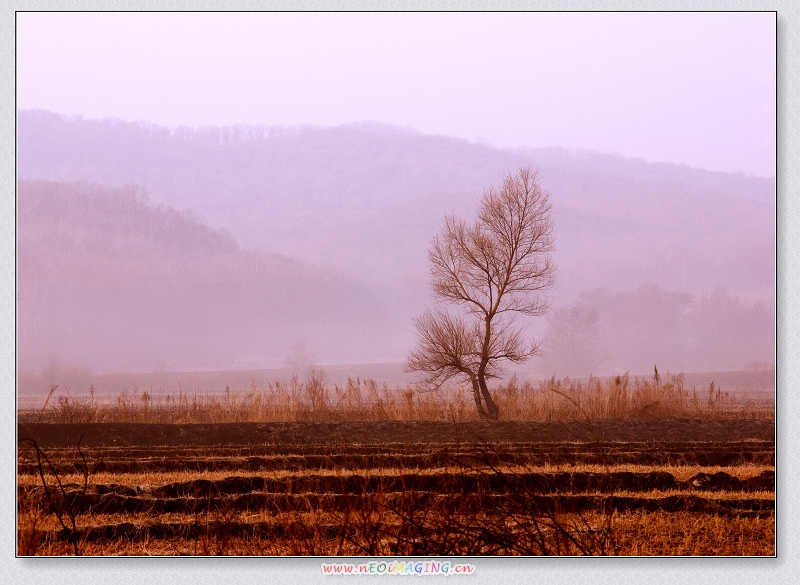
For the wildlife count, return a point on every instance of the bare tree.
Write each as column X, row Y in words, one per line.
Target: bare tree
column 572, row 340
column 492, row 270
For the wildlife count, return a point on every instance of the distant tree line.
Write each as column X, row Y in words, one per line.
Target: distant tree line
column 633, row 330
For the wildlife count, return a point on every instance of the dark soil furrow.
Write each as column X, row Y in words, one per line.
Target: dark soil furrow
column 341, row 434
column 460, row 483
column 449, row 503
column 207, row 459
column 459, row 451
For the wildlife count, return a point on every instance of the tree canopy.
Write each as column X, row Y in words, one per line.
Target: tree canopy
column 485, row 274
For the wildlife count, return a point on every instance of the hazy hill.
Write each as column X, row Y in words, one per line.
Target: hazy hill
column 359, row 204
column 109, row 281
column 368, row 198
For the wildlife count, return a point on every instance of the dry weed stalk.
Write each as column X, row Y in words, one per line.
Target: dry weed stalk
column 367, row 400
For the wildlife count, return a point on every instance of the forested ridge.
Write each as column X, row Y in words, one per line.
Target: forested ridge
column 109, row 280
column 224, row 244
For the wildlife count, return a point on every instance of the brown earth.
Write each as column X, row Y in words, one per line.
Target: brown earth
column 396, row 487
column 307, row 434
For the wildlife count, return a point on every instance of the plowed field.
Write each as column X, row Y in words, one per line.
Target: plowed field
column 660, row 487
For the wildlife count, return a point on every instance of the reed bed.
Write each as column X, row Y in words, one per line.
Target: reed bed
column 299, row 400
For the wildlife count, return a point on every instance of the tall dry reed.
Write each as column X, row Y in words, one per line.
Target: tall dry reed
column 367, row 400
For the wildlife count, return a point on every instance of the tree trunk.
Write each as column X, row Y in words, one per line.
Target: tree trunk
column 493, row 411
column 476, row 391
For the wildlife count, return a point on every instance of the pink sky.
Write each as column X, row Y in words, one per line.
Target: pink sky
column 689, row 88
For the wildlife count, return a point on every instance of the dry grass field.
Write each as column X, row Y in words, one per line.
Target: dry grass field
column 616, row 467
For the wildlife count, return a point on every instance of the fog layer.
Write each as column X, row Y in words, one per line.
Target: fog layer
column 319, row 236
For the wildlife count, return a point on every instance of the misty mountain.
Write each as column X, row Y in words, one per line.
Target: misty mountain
column 108, row 280
column 367, row 198
column 359, row 204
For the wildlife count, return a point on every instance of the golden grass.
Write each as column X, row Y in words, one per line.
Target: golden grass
column 626, row 534
column 684, row 534
column 366, row 400
column 155, row 479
